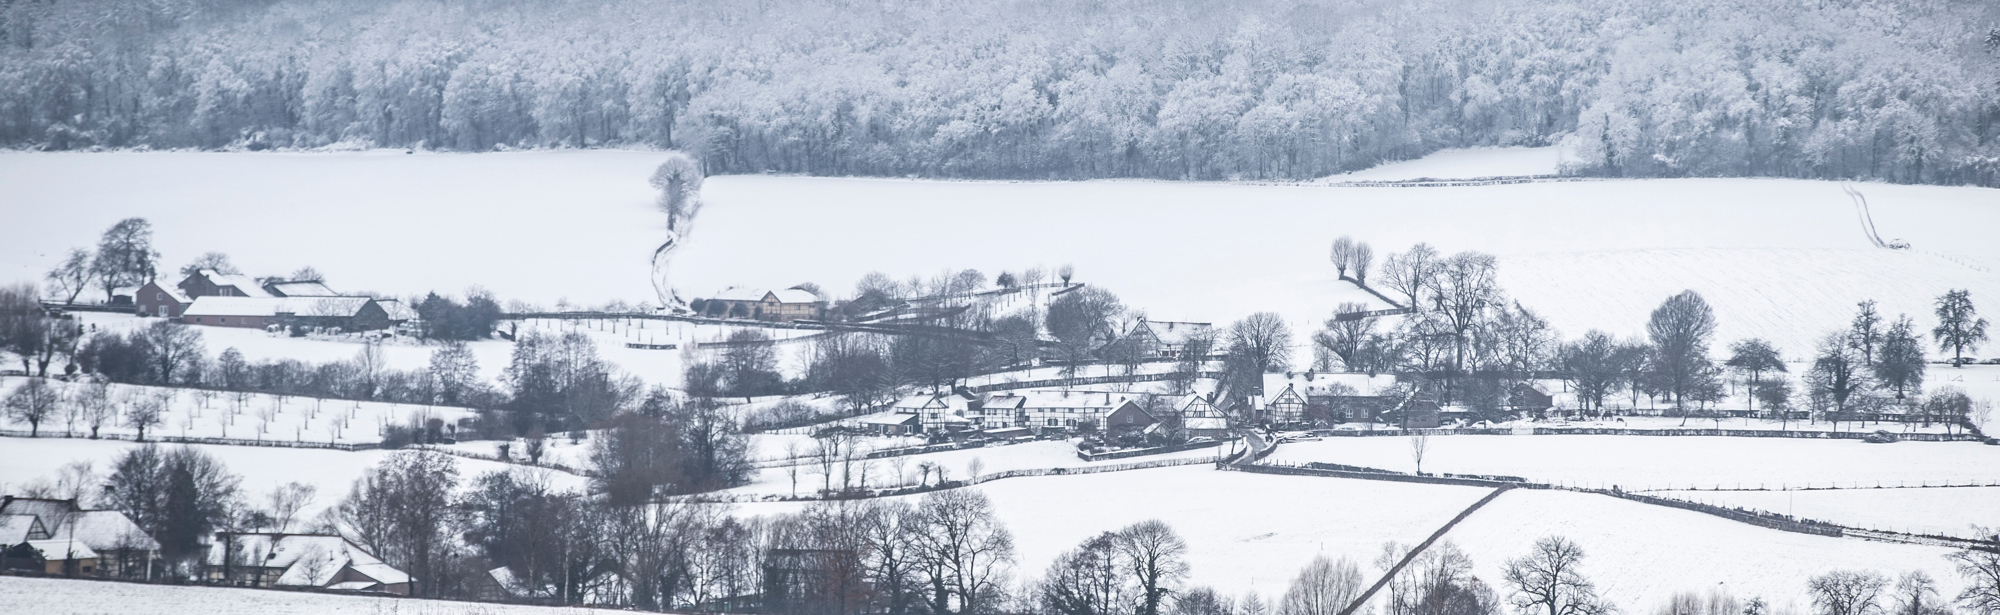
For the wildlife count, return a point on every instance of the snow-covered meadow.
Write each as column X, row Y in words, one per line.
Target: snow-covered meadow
column 1635, row 463
column 1944, row 511
column 192, row 413
column 776, row 479
column 332, row 473
column 80, row 597
column 1639, row 555
column 1781, row 259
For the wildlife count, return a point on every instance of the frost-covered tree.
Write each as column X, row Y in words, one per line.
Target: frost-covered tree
column 1680, row 330
column 125, row 256
column 1959, row 326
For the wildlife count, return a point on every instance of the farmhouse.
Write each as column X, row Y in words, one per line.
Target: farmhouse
column 937, row 413
column 160, row 301
column 1308, row 397
column 211, row 283
column 1200, row 418
column 1072, row 410
column 890, row 423
column 758, row 304
column 300, row 560
column 91, row 542
column 1167, row 339
column 345, row 313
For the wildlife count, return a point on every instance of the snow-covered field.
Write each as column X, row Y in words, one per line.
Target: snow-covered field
column 72, row 597
column 1663, row 462
column 1946, row 511
column 331, row 472
column 250, row 416
column 956, row 465
column 1468, row 163
column 1245, row 532
column 1780, row 259
column 1639, row 555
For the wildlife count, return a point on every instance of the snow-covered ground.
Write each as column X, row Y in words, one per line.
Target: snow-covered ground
column 1639, row 555
column 250, row 416
column 74, row 597
column 1468, row 163
column 1781, row 259
column 1663, row 462
column 956, row 465
column 332, row 473
column 1946, row 511
column 1245, row 532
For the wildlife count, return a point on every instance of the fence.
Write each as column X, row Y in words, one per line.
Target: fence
column 862, row 494
column 1753, row 517
column 1141, row 452
column 15, row 433
column 1617, row 431
column 1083, row 380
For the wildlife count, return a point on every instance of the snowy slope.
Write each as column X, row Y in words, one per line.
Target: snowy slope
column 263, row 468
column 1245, row 532
column 579, row 225
column 1947, row 511
column 956, row 465
column 252, row 417
column 1640, row 555
column 1660, row 462
column 30, row 595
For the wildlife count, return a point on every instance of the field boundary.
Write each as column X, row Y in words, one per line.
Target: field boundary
column 1391, row 573
column 361, row 446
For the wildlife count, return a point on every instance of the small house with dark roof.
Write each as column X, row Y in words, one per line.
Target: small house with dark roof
column 212, row 283
column 160, row 301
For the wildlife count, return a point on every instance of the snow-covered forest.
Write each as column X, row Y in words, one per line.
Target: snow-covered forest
column 1898, row 90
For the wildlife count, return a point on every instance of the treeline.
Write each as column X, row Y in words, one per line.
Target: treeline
column 1899, row 90
column 945, row 552
column 1466, row 342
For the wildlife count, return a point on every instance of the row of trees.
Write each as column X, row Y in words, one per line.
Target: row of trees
column 1898, row 90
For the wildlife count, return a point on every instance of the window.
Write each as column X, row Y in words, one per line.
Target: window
column 163, row 311
column 1053, row 423
column 224, row 320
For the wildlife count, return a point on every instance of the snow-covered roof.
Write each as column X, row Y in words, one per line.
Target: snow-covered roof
column 1074, row 399
column 1205, row 422
column 172, row 292
column 273, row 306
column 17, row 529
column 1004, row 401
column 50, row 511
column 504, row 578
column 53, row 549
column 243, row 283
column 886, row 418
column 397, row 310
column 301, row 289
column 106, row 530
column 308, row 559
column 1194, row 405
column 789, row 295
column 920, row 401
column 1171, row 332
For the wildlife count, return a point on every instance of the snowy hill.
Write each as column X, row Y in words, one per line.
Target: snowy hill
column 1784, row 259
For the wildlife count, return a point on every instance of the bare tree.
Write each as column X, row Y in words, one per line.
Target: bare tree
column 1156, row 558
column 1419, row 444
column 1323, row 587
column 1410, row 273
column 98, row 405
column 1548, row 581
column 1342, row 254
column 1752, row 358
column 1066, row 272
column 73, row 275
column 217, row 262
column 1361, row 261
column 1847, row 592
column 144, row 412
column 1680, row 330
column 1086, row 580
column 965, row 552
column 1864, row 334
column 1980, row 567
column 174, row 348
column 286, row 502
column 33, row 402
column 1917, row 594
column 125, row 256
column 1959, row 326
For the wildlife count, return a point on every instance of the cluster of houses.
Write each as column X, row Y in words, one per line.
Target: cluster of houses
column 215, row 299
column 761, row 304
column 58, row 537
